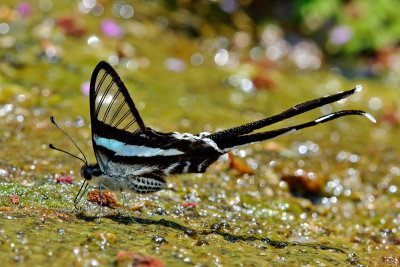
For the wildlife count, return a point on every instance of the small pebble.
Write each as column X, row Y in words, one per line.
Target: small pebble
column 202, row 242
column 190, row 232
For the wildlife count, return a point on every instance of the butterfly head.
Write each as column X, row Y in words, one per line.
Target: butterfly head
column 88, row 171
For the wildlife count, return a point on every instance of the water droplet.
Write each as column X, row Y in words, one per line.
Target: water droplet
column 221, row 57
column 4, row 28
column 159, row 240
column 93, row 41
column 375, row 103
column 197, row 59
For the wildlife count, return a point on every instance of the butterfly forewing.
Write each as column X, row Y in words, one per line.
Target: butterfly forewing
column 111, row 105
column 112, row 110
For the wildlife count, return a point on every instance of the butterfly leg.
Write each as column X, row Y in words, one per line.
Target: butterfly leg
column 79, row 197
column 101, row 202
column 126, row 206
column 84, row 184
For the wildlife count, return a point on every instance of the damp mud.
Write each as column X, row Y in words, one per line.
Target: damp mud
column 324, row 196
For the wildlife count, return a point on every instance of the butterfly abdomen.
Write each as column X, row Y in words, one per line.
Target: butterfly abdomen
column 145, row 184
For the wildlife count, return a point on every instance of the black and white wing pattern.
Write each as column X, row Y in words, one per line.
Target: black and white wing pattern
column 120, row 138
column 128, row 152
column 110, row 102
column 112, row 112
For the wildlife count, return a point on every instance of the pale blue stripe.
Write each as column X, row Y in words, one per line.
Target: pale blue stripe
column 110, row 144
column 132, row 150
column 142, row 151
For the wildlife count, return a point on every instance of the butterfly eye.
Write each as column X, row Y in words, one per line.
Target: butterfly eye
column 86, row 172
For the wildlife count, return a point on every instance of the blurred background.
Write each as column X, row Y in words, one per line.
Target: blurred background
column 194, row 66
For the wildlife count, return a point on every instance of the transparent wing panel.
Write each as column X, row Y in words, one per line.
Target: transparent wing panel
column 110, row 104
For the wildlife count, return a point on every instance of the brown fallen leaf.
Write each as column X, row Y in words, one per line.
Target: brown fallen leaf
column 303, row 180
column 239, row 165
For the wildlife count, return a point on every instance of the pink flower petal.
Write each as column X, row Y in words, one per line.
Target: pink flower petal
column 24, row 9
column 85, row 88
column 340, row 35
column 111, row 28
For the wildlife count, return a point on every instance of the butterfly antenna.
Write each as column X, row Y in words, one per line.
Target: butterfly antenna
column 53, row 147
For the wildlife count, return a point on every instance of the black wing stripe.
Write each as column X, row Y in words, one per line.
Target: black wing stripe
column 111, row 104
column 116, row 113
column 122, row 119
column 100, row 83
column 129, row 124
column 104, row 97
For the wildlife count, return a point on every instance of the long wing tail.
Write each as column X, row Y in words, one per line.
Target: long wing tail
column 238, row 141
column 239, row 136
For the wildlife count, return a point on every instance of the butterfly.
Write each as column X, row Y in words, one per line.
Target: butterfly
column 132, row 156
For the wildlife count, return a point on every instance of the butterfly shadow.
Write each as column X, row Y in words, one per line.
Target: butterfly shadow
column 227, row 236
column 136, row 220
